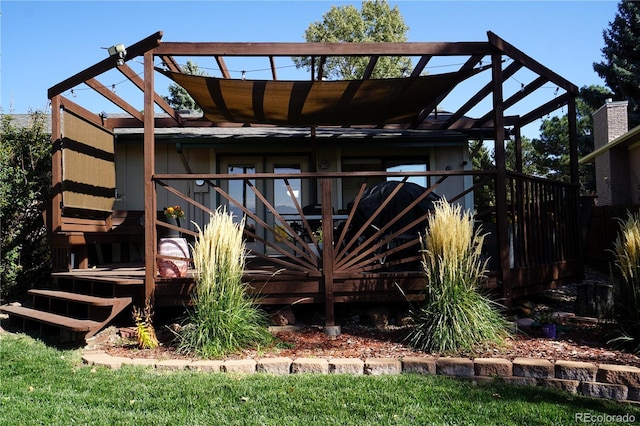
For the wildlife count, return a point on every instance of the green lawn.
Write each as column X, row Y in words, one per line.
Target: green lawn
column 43, row 385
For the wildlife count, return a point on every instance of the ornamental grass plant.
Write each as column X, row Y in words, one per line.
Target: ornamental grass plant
column 455, row 315
column 223, row 318
column 627, row 260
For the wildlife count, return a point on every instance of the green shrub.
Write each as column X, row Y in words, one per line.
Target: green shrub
column 627, row 260
column 455, row 316
column 223, row 318
column 25, row 186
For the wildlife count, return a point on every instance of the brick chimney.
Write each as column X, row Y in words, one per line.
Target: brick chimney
column 610, row 122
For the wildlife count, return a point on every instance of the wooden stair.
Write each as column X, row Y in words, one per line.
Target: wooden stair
column 80, row 305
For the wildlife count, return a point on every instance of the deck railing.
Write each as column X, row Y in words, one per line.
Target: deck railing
column 544, row 232
column 543, row 224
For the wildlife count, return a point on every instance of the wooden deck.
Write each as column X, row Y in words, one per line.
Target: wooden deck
column 269, row 284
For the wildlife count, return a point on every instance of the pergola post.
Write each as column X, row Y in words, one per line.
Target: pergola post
column 56, row 164
column 573, row 140
column 501, row 178
column 150, row 243
column 573, row 164
column 327, row 252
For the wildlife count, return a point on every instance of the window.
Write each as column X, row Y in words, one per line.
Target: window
column 283, row 199
column 393, row 166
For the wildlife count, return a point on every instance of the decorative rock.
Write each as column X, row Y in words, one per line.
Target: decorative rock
column 532, row 367
column 213, row 366
column 379, row 317
column 457, row 367
column 310, row 365
column 483, row 380
column 246, row 366
column 525, row 323
column 284, row 316
column 619, row 374
column 570, row 386
column 419, row 365
column 520, row 381
column 275, row 329
column 573, row 370
column 379, row 366
column 104, row 360
column 491, row 367
column 604, row 390
column 92, row 352
column 332, row 330
column 148, row 362
column 280, row 365
column 173, row 364
column 634, row 394
column 346, row 366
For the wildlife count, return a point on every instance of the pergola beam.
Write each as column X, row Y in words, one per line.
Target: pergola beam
column 223, row 67
column 139, row 83
column 370, row 66
column 171, row 63
column 133, row 51
column 531, row 63
column 322, row 49
column 545, row 109
column 115, row 99
column 422, row 63
column 481, row 94
column 469, row 64
column 272, row 63
column 518, row 96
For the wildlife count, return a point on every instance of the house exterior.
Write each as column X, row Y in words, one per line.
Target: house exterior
column 297, row 157
column 227, row 150
column 616, row 156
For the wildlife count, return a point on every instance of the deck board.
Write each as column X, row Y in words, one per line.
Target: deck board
column 79, row 298
column 72, row 324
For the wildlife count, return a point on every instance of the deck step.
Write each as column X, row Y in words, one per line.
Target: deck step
column 71, row 324
column 100, row 279
column 80, row 298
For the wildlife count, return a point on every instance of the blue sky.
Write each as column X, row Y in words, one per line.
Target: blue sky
column 44, row 42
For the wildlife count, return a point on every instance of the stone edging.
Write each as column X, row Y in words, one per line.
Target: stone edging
column 607, row 381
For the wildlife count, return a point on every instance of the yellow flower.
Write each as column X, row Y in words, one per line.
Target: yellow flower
column 174, row 212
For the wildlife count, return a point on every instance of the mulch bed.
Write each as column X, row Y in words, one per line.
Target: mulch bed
column 578, row 342
column 363, row 337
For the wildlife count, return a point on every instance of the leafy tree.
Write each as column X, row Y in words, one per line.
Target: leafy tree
column 25, row 182
column 178, row 97
column 528, row 157
column 481, row 160
column 375, row 22
column 621, row 66
column 551, row 152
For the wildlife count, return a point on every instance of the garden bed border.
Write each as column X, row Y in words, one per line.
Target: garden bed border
column 607, row 381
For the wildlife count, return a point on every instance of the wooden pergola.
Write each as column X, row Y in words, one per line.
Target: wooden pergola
column 515, row 194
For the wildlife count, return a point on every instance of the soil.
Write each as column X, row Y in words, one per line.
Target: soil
column 377, row 333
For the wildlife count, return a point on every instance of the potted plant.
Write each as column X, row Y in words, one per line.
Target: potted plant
column 173, row 213
column 173, row 245
column 547, row 324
